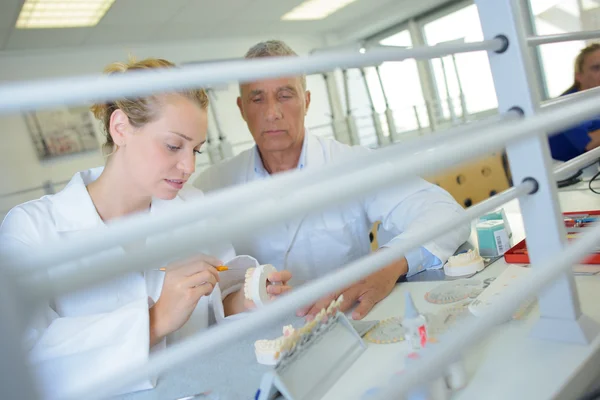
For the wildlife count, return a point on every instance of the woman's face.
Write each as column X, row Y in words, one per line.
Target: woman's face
column 589, row 77
column 160, row 156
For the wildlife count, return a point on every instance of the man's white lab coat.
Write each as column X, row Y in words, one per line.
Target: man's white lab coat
column 86, row 334
column 314, row 244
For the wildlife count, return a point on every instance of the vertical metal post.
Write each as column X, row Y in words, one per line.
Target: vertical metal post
column 382, row 140
column 347, row 92
column 350, row 122
column 448, row 96
column 431, row 114
column 391, row 122
column 353, row 130
column 418, row 120
column 213, row 110
column 561, row 318
column 212, row 139
column 461, row 93
column 338, row 122
column 389, row 114
column 380, row 80
column 426, row 75
column 531, row 30
column 463, row 107
column 224, row 146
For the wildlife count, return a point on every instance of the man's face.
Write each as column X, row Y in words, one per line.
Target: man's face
column 589, row 77
column 274, row 111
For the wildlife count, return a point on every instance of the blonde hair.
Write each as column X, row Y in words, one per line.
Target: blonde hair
column 579, row 61
column 141, row 110
column 273, row 48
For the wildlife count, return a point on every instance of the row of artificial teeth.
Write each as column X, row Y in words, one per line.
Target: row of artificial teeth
column 247, row 282
column 291, row 340
column 464, row 258
column 275, row 344
column 269, row 345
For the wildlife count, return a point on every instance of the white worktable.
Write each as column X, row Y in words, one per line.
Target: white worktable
column 506, row 365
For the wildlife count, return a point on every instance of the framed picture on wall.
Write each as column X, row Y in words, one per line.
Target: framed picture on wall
column 63, row 131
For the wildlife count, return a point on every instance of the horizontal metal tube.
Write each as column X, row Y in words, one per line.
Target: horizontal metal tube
column 558, row 102
column 577, row 163
column 33, row 95
column 563, row 37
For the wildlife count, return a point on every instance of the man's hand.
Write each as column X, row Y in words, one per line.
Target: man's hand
column 367, row 292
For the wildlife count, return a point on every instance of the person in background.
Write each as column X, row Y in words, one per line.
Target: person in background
column 317, row 243
column 92, row 332
column 585, row 136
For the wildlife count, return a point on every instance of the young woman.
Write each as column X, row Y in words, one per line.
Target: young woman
column 151, row 144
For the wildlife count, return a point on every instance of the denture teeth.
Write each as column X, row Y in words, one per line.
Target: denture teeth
column 273, row 348
column 331, row 307
column 321, row 315
column 464, row 258
column 247, row 282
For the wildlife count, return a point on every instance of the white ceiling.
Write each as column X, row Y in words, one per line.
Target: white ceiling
column 143, row 21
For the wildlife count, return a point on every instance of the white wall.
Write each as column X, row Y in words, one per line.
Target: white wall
column 19, row 167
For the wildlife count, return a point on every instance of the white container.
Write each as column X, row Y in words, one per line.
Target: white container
column 415, row 325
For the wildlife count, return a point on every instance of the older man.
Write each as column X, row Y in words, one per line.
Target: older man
column 313, row 245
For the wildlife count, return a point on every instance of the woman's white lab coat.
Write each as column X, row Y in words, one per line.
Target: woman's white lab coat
column 313, row 245
column 89, row 333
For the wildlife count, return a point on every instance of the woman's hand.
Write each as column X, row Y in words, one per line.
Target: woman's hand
column 184, row 285
column 277, row 284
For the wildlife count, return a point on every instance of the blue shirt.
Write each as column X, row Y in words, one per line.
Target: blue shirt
column 572, row 142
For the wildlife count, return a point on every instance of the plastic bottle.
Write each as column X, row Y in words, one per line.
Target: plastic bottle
column 415, row 325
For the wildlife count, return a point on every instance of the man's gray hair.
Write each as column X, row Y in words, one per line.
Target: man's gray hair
column 273, row 48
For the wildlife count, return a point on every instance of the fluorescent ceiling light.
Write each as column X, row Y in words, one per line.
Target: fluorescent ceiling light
column 62, row 13
column 315, row 9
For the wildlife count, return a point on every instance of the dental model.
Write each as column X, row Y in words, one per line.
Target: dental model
column 464, row 264
column 255, row 284
column 267, row 351
column 290, row 342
